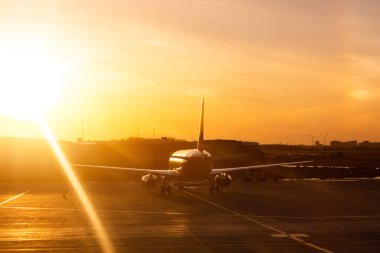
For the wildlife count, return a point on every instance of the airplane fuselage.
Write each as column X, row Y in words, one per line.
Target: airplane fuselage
column 192, row 164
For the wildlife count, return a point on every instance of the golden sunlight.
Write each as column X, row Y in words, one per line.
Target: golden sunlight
column 103, row 238
column 30, row 84
column 30, row 81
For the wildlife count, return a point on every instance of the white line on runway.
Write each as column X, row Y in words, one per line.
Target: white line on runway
column 14, row 197
column 311, row 245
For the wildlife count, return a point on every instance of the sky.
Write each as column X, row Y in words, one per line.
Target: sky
column 270, row 71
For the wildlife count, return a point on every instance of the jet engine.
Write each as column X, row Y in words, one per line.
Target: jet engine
column 223, row 180
column 149, row 181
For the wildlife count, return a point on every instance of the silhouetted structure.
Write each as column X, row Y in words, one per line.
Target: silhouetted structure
column 369, row 145
column 344, row 144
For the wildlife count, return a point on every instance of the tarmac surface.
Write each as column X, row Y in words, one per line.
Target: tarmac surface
column 286, row 216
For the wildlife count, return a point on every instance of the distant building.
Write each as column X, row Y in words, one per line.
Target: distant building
column 344, row 144
column 368, row 144
column 318, row 144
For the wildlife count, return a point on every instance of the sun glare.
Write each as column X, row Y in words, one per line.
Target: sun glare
column 99, row 229
column 30, row 80
column 30, row 83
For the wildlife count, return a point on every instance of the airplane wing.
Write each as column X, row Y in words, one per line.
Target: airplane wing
column 172, row 173
column 223, row 170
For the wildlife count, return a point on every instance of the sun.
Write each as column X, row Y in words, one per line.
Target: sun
column 30, row 80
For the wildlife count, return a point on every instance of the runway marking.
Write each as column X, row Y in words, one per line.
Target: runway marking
column 279, row 235
column 14, row 197
column 299, row 235
column 291, row 236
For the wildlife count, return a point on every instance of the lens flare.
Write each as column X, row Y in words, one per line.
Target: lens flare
column 99, row 229
column 30, row 83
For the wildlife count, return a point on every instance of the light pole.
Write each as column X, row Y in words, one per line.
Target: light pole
column 288, row 140
column 324, row 138
column 312, row 139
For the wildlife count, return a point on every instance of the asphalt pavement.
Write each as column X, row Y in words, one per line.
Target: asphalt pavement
column 285, row 216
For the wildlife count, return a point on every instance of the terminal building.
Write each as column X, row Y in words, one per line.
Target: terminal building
column 368, row 144
column 344, row 144
column 355, row 144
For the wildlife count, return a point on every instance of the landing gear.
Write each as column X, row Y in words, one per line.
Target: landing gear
column 166, row 188
column 214, row 188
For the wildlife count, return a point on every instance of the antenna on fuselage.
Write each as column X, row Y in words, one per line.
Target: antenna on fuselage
column 201, row 127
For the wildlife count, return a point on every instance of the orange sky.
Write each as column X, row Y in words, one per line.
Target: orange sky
column 268, row 69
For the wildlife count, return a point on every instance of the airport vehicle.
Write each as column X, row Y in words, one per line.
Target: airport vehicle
column 190, row 165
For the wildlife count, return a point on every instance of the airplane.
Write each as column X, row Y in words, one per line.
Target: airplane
column 190, row 165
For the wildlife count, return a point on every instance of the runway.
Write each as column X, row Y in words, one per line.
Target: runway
column 285, row 216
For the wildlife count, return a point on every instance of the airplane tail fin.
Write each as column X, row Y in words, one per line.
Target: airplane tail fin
column 201, row 127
